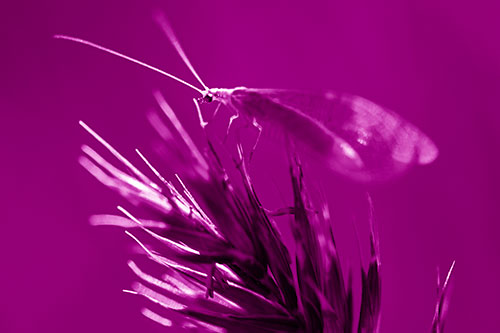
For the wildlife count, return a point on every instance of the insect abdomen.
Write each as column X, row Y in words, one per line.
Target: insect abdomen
column 309, row 134
column 292, row 122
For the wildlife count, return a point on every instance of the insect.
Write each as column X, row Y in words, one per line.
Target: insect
column 353, row 136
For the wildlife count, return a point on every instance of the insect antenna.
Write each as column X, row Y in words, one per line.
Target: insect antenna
column 162, row 21
column 118, row 54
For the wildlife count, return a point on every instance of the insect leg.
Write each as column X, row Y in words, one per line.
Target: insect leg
column 203, row 123
column 231, row 121
column 216, row 110
column 259, row 128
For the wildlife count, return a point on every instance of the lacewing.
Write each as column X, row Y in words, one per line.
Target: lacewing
column 351, row 135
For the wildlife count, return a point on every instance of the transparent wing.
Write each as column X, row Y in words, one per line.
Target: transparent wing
column 386, row 143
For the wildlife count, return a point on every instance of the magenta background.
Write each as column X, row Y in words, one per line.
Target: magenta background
column 436, row 62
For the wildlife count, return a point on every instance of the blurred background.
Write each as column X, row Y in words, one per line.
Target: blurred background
column 437, row 63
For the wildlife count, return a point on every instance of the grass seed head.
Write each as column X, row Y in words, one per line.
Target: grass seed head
column 222, row 264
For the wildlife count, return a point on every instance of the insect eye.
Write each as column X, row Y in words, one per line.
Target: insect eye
column 208, row 98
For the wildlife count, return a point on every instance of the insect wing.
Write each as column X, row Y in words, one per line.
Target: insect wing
column 387, row 143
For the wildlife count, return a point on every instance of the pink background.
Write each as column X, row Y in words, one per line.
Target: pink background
column 435, row 62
